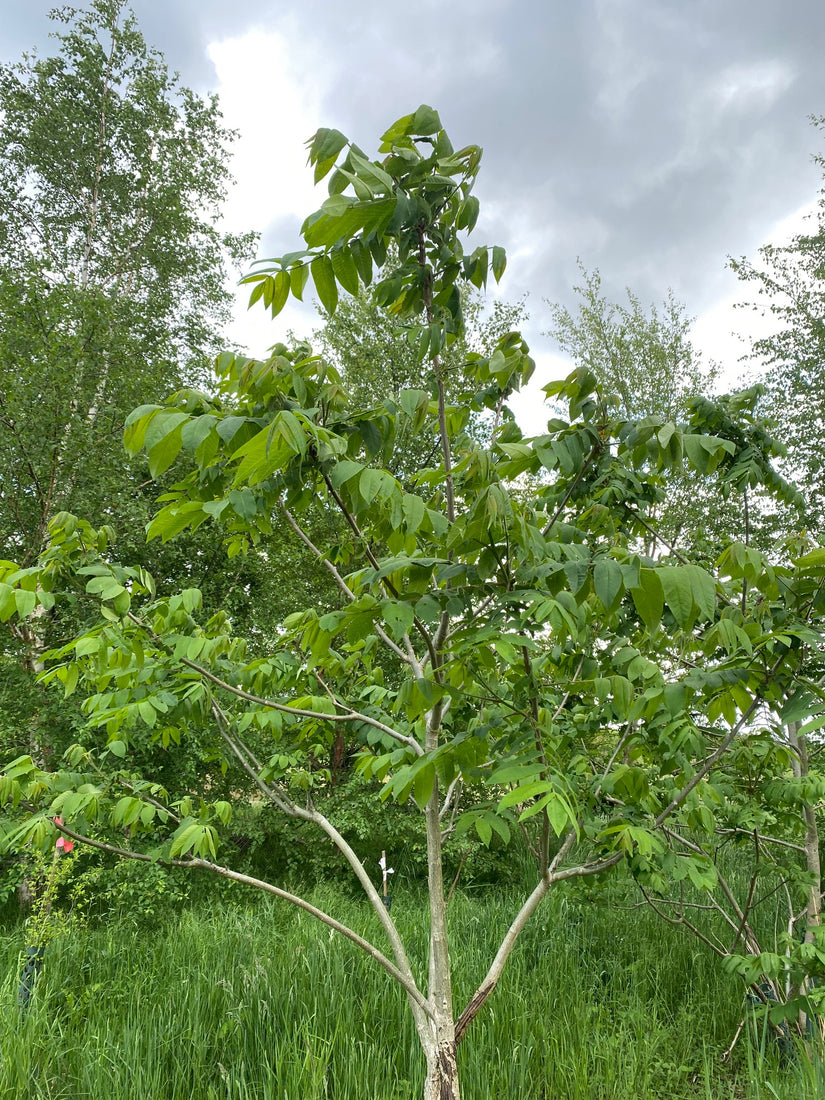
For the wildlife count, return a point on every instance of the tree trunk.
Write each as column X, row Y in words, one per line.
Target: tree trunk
column 799, row 743
column 440, row 1044
column 442, row 1072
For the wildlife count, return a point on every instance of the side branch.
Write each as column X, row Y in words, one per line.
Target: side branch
column 290, row 809
column 716, row 756
column 408, row 657
column 348, row 715
column 406, row 983
column 485, row 990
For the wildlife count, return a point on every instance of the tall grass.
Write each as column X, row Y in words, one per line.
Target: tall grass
column 234, row 1002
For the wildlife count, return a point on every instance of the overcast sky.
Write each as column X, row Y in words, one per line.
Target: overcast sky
column 649, row 138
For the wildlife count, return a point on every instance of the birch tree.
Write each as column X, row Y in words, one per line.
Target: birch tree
column 112, row 282
column 112, row 270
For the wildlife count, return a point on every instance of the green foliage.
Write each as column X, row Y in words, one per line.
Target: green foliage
column 371, row 350
column 112, row 273
column 506, row 646
column 789, row 281
column 646, row 365
column 263, row 844
column 47, row 877
column 112, row 284
column 643, row 357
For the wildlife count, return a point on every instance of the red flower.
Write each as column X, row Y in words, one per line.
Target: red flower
column 62, row 842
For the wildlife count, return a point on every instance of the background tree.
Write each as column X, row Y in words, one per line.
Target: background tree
column 377, row 357
column 790, row 280
column 644, row 358
column 112, row 279
column 112, row 272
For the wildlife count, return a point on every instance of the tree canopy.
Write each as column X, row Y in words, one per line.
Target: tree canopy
column 506, row 643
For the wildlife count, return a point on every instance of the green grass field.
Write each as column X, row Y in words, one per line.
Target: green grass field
column 246, row 998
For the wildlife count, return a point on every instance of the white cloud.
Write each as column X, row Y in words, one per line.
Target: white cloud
column 271, row 94
column 725, row 332
column 265, row 95
column 749, row 87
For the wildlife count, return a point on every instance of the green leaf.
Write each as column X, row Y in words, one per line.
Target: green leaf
column 607, row 582
column 290, row 430
column 194, row 431
column 372, row 174
column 648, row 598
column 370, row 483
column 398, row 616
column 298, row 276
column 678, row 592
column 425, row 121
column 814, row 559
column 703, row 588
column 280, row 292
column 324, row 148
column 185, row 839
column 343, row 265
column 362, row 260
column 413, row 508
column 344, row 471
column 147, row 712
column 137, row 423
column 162, row 441
column 413, row 401
column 324, row 278
column 423, row 785
column 25, row 602
column 798, row 706
column 106, row 588
column 622, row 695
column 524, row 793
column 70, row 683
column 499, row 262
column 559, row 815
column 813, row 724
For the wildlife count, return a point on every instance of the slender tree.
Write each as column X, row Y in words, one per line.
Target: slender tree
column 112, row 282
column 790, row 282
column 507, row 641
column 112, row 270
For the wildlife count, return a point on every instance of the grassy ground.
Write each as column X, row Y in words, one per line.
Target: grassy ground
column 235, row 1001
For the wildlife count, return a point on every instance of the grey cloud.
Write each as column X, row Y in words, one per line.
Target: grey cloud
column 650, row 137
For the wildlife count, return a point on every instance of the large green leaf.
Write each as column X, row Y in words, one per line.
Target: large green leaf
column 678, row 591
column 649, row 598
column 607, row 582
column 345, row 269
column 703, row 588
column 324, row 148
column 499, row 262
column 324, row 278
